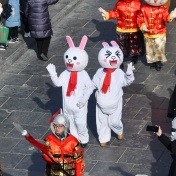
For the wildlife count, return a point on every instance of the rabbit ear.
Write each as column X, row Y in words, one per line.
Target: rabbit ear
column 105, row 44
column 114, row 43
column 83, row 42
column 70, row 42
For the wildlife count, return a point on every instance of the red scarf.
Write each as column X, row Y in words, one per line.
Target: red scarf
column 107, row 79
column 72, row 83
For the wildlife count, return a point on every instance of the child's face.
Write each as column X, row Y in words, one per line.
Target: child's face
column 59, row 129
column 156, row 2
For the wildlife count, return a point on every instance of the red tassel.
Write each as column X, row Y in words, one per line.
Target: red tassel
column 53, row 116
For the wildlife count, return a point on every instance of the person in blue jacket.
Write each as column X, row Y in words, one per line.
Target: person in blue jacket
column 39, row 24
column 13, row 21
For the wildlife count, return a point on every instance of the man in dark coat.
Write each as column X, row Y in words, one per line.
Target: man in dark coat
column 171, row 146
column 172, row 105
column 172, row 112
column 24, row 19
column 40, row 25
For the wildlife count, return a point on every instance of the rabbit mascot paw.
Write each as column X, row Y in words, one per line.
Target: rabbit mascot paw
column 76, row 88
column 109, row 81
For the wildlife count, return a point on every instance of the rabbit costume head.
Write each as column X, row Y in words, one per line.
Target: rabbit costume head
column 76, row 58
column 110, row 56
column 156, row 2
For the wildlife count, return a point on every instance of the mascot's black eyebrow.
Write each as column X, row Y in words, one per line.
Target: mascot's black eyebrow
column 108, row 53
column 117, row 53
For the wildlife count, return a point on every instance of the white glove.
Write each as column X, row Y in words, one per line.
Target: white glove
column 24, row 133
column 20, row 129
column 173, row 136
column 51, row 69
column 144, row 28
column 81, row 103
column 173, row 133
column 1, row 9
column 173, row 14
column 130, row 69
column 103, row 13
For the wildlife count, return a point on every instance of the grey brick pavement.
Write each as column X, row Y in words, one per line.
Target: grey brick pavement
column 27, row 96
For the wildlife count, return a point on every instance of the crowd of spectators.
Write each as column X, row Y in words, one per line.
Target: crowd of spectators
column 32, row 19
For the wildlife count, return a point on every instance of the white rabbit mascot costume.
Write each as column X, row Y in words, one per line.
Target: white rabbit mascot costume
column 76, row 88
column 152, row 20
column 109, row 81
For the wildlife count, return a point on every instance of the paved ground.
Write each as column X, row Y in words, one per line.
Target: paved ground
column 27, row 96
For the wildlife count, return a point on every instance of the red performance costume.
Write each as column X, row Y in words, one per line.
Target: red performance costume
column 155, row 18
column 68, row 153
column 152, row 20
column 129, row 37
column 126, row 13
column 62, row 152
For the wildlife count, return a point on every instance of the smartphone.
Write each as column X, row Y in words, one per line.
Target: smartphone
column 152, row 128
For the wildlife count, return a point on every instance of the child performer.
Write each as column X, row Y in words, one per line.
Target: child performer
column 61, row 151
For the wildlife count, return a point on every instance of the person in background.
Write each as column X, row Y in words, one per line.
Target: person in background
column 39, row 24
column 13, row 21
column 171, row 113
column 24, row 19
column 128, row 36
column 4, row 14
column 171, row 146
column 152, row 19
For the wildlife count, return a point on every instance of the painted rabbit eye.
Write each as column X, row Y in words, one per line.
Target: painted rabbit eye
column 117, row 54
column 66, row 56
column 108, row 53
column 74, row 58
